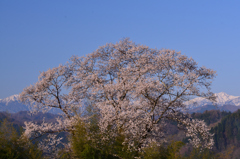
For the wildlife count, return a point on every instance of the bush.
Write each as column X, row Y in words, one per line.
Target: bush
column 12, row 145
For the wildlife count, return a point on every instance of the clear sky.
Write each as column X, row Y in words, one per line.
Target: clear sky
column 38, row 35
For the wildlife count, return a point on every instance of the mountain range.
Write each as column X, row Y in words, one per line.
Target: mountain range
column 223, row 102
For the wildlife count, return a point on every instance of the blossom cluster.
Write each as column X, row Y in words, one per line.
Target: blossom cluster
column 135, row 88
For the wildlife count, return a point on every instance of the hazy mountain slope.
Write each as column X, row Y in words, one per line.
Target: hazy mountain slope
column 228, row 108
column 20, row 117
column 13, row 105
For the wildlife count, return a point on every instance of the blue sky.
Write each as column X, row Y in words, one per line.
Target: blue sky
column 38, row 35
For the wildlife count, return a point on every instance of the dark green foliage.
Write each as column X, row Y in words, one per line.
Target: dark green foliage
column 227, row 132
column 161, row 152
column 211, row 116
column 89, row 149
column 13, row 146
column 202, row 154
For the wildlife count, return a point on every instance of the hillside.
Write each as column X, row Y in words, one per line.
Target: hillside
column 22, row 116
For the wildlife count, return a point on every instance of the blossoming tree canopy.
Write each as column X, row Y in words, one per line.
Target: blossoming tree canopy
column 135, row 88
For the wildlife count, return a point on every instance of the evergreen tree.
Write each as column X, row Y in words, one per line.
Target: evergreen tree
column 12, row 145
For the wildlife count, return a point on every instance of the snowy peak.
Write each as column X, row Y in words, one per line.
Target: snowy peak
column 222, row 98
column 12, row 98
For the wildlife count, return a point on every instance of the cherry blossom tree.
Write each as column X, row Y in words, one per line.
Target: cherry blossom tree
column 134, row 88
column 137, row 88
column 50, row 92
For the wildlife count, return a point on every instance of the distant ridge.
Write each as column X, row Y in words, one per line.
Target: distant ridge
column 224, row 101
column 12, row 104
column 227, row 108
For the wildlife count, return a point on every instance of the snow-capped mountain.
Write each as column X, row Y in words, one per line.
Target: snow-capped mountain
column 221, row 100
column 12, row 98
column 12, row 104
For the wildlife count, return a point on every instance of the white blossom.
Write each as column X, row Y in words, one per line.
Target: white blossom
column 135, row 88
